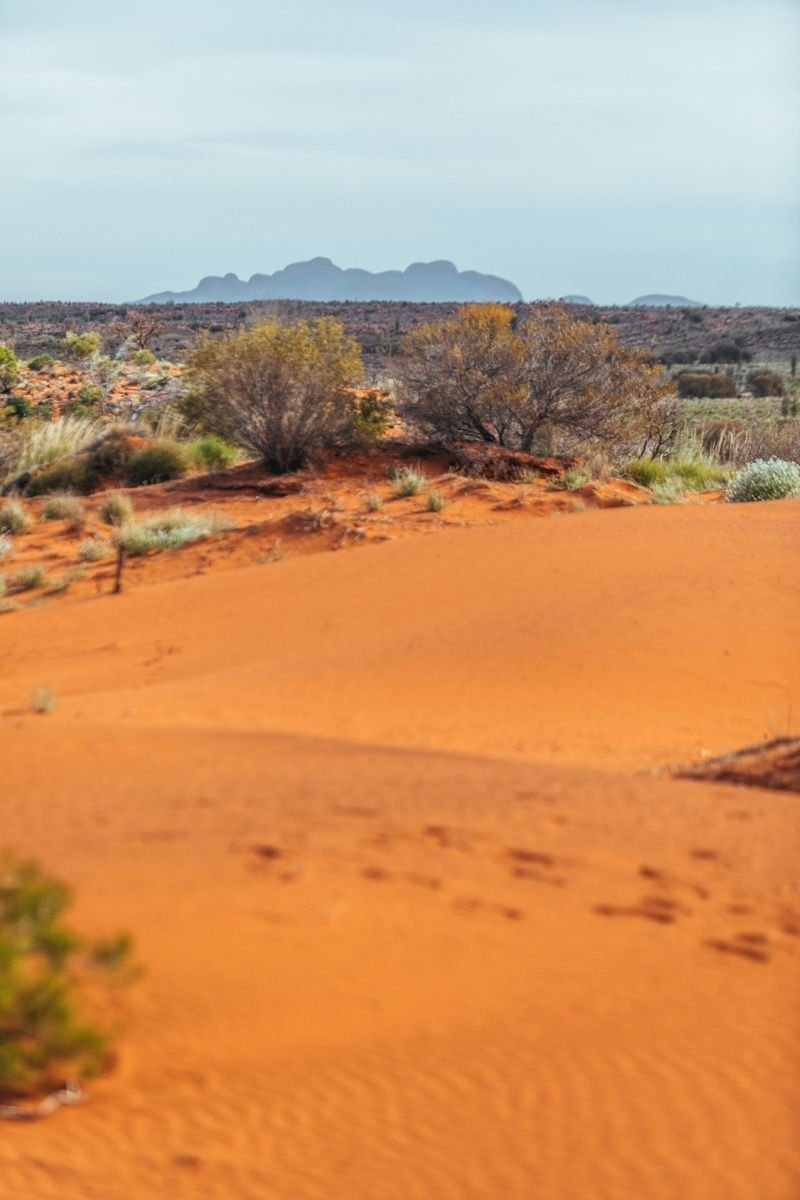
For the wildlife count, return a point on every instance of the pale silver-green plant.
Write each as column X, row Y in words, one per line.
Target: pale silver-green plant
column 168, row 531
column 765, row 479
column 408, row 481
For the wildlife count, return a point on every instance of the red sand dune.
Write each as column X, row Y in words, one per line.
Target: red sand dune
column 417, row 917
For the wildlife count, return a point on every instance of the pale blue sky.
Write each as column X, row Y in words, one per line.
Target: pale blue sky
column 606, row 148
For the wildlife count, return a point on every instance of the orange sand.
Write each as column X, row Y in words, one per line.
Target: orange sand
column 418, row 919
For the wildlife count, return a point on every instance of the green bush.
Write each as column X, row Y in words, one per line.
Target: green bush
column 212, row 453
column 702, row 384
column 766, row 383
column 143, row 358
column 40, row 361
column 9, row 369
column 371, row 417
column 17, row 407
column 13, row 517
column 44, row 1036
column 765, row 479
column 645, row 471
column 89, row 395
column 698, row 476
column 79, row 346
column 115, row 509
column 68, row 475
column 111, row 457
column 156, row 464
column 63, row 506
column 436, row 502
column 572, row 479
column 726, row 352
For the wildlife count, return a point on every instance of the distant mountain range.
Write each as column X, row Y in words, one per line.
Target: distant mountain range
column 655, row 300
column 321, row 279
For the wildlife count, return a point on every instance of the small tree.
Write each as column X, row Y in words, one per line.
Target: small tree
column 281, row 390
column 8, row 370
column 478, row 377
column 78, row 347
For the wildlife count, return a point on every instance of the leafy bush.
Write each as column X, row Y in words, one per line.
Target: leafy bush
column 89, row 395
column 63, row 506
column 282, row 390
column 143, row 358
column 13, row 517
column 156, row 464
column 115, row 509
column 111, row 456
column 726, row 352
column 766, row 383
column 371, row 417
column 40, row 361
column 78, row 347
column 212, row 452
column 572, row 479
column 701, row 384
column 44, row 1036
column 68, row 475
column 765, row 479
column 408, row 481
column 484, row 376
column 17, row 407
column 9, row 369
column 167, row 531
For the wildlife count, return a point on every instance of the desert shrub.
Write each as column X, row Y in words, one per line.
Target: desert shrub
column 44, row 965
column 483, row 376
column 93, row 549
column 701, row 384
column 78, row 347
column 13, row 517
column 572, row 479
column 212, row 452
column 766, row 383
column 765, row 479
column 156, row 464
column 26, row 579
column 9, row 369
column 110, row 457
column 374, row 501
column 726, row 352
column 63, row 506
column 698, row 476
column 67, row 475
column 47, row 441
column 40, row 361
column 436, row 502
column 89, row 395
column 408, row 481
column 17, row 407
column 143, row 358
column 115, row 509
column 645, row 471
column 167, row 531
column 281, row 390
column 371, row 416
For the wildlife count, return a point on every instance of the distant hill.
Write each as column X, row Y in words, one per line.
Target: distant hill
column 576, row 300
column 320, row 279
column 656, row 300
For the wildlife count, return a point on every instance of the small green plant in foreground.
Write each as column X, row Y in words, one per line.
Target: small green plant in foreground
column 436, row 502
column 45, row 1037
column 157, row 463
column 115, row 509
column 765, row 479
column 572, row 479
column 408, row 481
column 167, row 531
column 13, row 517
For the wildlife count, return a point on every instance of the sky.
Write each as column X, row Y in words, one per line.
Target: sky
column 604, row 148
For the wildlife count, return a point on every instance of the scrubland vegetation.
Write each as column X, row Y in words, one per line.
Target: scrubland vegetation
column 46, row 1032
column 490, row 386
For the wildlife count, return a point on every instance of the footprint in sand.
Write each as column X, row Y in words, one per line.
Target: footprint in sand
column 658, row 909
column 744, row 945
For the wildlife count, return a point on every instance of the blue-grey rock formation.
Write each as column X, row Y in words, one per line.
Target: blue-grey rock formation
column 656, row 300
column 320, row 279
